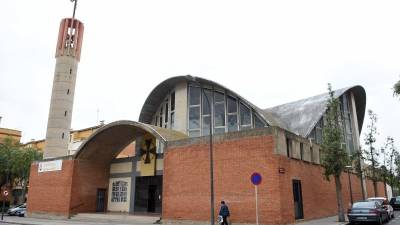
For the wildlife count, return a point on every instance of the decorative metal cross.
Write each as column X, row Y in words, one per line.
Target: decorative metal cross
column 147, row 151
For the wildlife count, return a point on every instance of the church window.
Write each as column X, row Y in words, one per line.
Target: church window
column 245, row 117
column 119, row 191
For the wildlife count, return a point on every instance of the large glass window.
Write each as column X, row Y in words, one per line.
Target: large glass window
column 161, row 117
column 206, row 103
column 347, row 128
column 119, row 191
column 222, row 112
column 219, row 111
column 232, row 114
column 245, row 117
column 172, row 109
column 194, row 111
column 257, row 121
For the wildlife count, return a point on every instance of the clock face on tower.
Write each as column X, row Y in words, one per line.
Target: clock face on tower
column 148, row 150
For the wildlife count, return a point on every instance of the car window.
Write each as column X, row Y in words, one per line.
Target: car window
column 379, row 200
column 364, row 205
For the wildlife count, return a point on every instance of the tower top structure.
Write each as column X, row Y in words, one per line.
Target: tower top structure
column 70, row 36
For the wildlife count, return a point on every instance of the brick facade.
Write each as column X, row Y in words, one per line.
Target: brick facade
column 186, row 193
column 50, row 192
column 65, row 192
column 186, row 186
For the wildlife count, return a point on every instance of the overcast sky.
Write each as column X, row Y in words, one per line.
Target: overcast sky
column 270, row 52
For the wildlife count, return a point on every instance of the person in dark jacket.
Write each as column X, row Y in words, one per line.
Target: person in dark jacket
column 224, row 212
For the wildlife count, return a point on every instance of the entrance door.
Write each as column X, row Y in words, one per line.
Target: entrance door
column 148, row 194
column 151, row 201
column 101, row 200
column 298, row 200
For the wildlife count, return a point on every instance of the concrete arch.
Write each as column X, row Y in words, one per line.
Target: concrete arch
column 156, row 96
column 108, row 141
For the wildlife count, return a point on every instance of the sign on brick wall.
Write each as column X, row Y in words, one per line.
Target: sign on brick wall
column 50, row 166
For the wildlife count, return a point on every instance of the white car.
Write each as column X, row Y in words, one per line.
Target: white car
column 384, row 202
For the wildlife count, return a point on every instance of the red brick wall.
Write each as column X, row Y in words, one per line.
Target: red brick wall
column 50, row 192
column 186, row 193
column 319, row 194
column 186, row 180
column 71, row 190
column 370, row 189
column 88, row 177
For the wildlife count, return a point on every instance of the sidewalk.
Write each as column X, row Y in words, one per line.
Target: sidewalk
column 139, row 221
column 324, row 221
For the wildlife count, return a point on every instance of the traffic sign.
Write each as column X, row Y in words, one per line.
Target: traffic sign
column 256, row 178
column 5, row 193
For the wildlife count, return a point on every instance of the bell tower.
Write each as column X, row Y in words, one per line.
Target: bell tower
column 68, row 52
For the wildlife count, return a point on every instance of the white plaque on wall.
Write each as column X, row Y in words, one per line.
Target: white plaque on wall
column 50, row 166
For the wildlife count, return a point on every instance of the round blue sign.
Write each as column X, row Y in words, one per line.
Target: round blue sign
column 256, row 178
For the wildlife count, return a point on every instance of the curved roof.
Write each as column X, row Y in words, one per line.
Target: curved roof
column 160, row 91
column 301, row 116
column 298, row 117
column 114, row 137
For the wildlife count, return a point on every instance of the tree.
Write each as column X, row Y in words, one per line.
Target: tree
column 356, row 159
column 371, row 155
column 15, row 162
column 390, row 155
column 396, row 88
column 335, row 156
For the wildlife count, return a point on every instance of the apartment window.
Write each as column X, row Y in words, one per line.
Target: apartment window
column 70, row 71
column 62, row 136
column 65, row 113
column 156, row 121
column 301, row 151
column 68, row 92
column 119, row 191
column 288, row 147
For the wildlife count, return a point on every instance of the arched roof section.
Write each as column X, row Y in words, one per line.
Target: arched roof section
column 160, row 91
column 108, row 141
column 301, row 116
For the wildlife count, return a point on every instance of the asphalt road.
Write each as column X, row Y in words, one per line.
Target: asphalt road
column 396, row 220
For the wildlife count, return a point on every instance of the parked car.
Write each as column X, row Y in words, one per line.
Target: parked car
column 395, row 202
column 21, row 213
column 16, row 210
column 384, row 202
column 367, row 211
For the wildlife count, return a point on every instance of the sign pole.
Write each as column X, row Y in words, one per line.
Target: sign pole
column 256, row 180
column 255, row 186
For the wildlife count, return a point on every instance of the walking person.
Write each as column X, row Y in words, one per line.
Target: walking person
column 224, row 212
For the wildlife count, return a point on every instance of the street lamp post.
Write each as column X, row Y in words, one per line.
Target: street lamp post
column 211, row 155
column 351, row 191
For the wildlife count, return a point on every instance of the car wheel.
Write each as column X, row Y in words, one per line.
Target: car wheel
column 380, row 221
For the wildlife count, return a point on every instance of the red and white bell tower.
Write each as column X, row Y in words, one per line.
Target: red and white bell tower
column 68, row 52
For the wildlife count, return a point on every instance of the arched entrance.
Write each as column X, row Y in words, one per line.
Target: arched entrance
column 131, row 184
